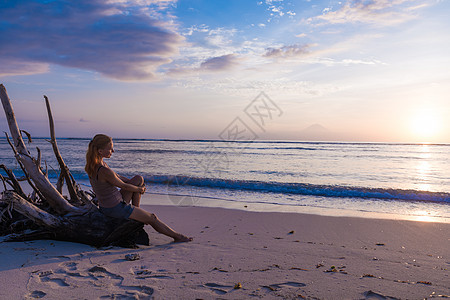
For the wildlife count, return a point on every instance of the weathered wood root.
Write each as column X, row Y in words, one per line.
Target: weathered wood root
column 92, row 228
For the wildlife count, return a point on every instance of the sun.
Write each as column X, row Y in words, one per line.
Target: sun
column 425, row 124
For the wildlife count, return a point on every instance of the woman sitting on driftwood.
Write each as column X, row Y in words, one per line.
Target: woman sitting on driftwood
column 123, row 203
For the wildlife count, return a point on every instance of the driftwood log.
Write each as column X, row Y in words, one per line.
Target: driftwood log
column 46, row 213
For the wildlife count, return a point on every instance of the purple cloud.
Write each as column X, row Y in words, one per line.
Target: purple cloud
column 376, row 12
column 212, row 64
column 11, row 66
column 98, row 35
column 219, row 63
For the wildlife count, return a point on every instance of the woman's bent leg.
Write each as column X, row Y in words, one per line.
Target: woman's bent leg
column 151, row 219
column 134, row 198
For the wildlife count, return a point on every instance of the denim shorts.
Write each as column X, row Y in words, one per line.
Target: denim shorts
column 120, row 211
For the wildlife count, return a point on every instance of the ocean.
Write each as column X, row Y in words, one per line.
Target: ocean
column 407, row 180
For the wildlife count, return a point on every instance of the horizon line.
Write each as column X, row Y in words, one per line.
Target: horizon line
column 252, row 141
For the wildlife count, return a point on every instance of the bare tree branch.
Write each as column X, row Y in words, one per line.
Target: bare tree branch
column 30, row 140
column 27, row 177
column 4, row 182
column 60, row 182
column 38, row 160
column 14, row 182
column 64, row 169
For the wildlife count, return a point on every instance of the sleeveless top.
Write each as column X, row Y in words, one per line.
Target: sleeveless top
column 107, row 194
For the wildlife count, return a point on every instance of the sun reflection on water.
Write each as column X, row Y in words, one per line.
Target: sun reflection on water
column 424, row 169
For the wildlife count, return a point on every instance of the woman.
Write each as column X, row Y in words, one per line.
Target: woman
column 114, row 203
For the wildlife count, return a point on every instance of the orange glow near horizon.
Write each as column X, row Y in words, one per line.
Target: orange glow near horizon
column 425, row 125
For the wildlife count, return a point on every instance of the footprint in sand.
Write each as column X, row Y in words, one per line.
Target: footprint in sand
column 49, row 283
column 100, row 272
column 71, row 266
column 277, row 286
column 104, row 277
column 55, row 282
column 374, row 295
column 35, row 295
column 50, row 279
column 219, row 289
column 132, row 292
column 41, row 284
column 143, row 273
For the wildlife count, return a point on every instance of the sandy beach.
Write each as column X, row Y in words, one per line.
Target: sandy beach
column 240, row 254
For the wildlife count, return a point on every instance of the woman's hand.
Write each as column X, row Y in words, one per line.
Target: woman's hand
column 142, row 189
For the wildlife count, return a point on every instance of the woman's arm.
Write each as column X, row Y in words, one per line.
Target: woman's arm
column 114, row 179
column 123, row 178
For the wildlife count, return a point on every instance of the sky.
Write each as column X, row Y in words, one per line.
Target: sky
column 356, row 70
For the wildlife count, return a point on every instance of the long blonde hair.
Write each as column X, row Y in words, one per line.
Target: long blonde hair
column 93, row 158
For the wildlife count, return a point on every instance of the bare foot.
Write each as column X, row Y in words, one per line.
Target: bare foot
column 182, row 239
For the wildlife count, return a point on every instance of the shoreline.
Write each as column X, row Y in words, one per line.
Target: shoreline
column 272, row 255
column 197, row 201
column 166, row 198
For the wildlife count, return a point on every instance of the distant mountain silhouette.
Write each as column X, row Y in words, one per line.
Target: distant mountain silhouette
column 315, row 128
column 316, row 132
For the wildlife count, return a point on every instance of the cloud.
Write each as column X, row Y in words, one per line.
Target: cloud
column 376, row 12
column 244, row 86
column 196, row 28
column 15, row 67
column 207, row 37
column 154, row 8
column 105, row 36
column 133, row 3
column 213, row 64
column 220, row 37
column 346, row 62
column 220, row 63
column 290, row 51
column 276, row 9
